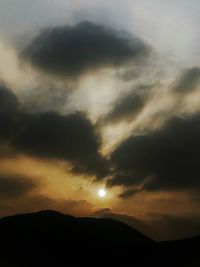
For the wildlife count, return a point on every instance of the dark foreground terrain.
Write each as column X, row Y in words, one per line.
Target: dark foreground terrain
column 48, row 238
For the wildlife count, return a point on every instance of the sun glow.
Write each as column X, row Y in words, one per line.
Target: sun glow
column 102, row 193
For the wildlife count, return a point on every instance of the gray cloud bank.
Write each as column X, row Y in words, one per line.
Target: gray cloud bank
column 164, row 159
column 70, row 51
column 69, row 137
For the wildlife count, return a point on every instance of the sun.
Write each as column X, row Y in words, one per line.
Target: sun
column 102, row 193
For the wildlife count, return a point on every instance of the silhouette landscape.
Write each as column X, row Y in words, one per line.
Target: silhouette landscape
column 49, row 238
column 99, row 133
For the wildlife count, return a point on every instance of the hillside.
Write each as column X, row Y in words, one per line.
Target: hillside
column 49, row 238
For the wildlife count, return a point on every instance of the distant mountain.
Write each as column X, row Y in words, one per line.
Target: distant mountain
column 49, row 238
column 132, row 221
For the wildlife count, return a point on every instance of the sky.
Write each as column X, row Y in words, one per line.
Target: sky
column 102, row 95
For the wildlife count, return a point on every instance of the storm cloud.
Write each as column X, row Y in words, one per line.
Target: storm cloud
column 74, row 50
column 48, row 134
column 66, row 137
column 164, row 159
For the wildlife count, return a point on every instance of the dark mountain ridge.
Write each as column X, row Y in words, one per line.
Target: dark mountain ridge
column 49, row 238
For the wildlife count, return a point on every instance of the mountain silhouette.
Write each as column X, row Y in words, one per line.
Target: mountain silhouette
column 178, row 253
column 49, row 238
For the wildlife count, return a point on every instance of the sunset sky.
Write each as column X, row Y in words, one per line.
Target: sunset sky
column 102, row 94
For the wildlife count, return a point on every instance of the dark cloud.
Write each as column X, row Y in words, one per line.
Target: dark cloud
column 45, row 98
column 128, row 193
column 67, row 137
column 15, row 186
column 9, row 112
column 126, row 108
column 164, row 159
column 124, row 177
column 188, row 81
column 129, row 106
column 73, row 50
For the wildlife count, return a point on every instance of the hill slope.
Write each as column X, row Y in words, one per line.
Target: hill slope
column 49, row 238
column 180, row 253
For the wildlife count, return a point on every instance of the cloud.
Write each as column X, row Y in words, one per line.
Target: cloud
column 188, row 81
column 127, row 193
column 124, row 176
column 48, row 134
column 77, row 207
column 15, row 186
column 69, row 137
column 44, row 98
column 37, row 202
column 127, row 107
column 9, row 111
column 163, row 159
column 74, row 50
